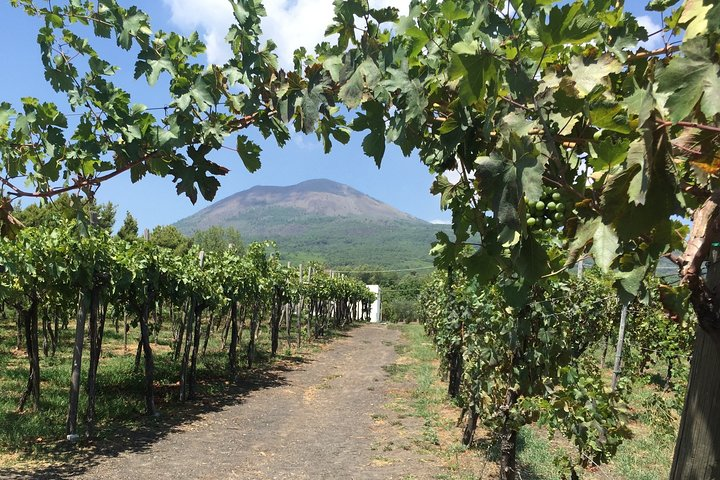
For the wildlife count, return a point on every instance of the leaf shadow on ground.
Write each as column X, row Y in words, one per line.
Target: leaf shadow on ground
column 117, row 438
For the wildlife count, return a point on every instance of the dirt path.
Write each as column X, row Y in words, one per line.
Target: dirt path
column 318, row 422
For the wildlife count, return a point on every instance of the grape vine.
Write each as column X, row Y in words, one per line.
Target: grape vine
column 55, row 272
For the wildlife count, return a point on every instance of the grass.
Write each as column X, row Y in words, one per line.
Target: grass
column 425, row 397
column 646, row 456
column 37, row 438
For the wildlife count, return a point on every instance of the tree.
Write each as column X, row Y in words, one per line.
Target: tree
column 168, row 236
column 66, row 207
column 557, row 100
column 508, row 368
column 111, row 135
column 219, row 239
column 129, row 229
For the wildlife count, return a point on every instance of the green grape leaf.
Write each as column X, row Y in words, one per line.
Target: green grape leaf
column 472, row 71
column 605, row 245
column 249, row 153
column 691, row 79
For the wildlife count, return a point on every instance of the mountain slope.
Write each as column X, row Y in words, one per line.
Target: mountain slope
column 322, row 220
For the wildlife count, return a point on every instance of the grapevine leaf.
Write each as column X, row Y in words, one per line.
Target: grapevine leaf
column 200, row 92
column 498, row 178
column 676, row 300
column 383, row 15
column 530, row 167
column 372, row 120
column 351, row 93
column 311, row 101
column 638, row 188
column 414, row 97
column 132, row 23
column 605, row 245
column 532, row 261
column 630, row 283
column 660, row 5
column 614, row 199
column 481, row 266
column 690, row 79
column 609, row 116
column 249, row 153
column 452, row 11
column 696, row 14
column 583, row 236
column 567, row 24
column 333, row 65
column 587, row 75
column 6, row 111
column 473, row 72
column 608, row 153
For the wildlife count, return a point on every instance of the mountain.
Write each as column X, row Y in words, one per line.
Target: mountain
column 322, row 220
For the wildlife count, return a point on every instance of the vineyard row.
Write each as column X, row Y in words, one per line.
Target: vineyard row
column 50, row 275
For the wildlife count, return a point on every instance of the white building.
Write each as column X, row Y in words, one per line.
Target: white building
column 376, row 307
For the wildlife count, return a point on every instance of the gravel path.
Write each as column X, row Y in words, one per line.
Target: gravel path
column 314, row 421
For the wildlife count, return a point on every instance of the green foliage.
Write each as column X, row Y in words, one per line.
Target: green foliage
column 53, row 212
column 511, row 101
column 546, row 98
column 588, row 413
column 656, row 337
column 129, row 229
column 167, row 236
column 545, row 353
column 401, row 298
column 540, row 352
column 113, row 134
column 550, row 98
column 218, row 239
column 48, row 267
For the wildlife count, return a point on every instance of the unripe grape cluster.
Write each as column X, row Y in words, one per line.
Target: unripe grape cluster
column 548, row 212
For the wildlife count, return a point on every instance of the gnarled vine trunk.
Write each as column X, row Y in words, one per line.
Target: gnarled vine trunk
column 71, row 423
column 148, row 354
column 184, row 366
column 232, row 352
column 30, row 322
column 470, row 426
column 454, row 357
column 254, row 323
column 192, row 376
column 275, row 323
column 95, row 332
column 508, row 440
column 207, row 333
column 455, row 367
column 697, row 450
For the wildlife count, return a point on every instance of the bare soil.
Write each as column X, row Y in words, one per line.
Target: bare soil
column 312, row 419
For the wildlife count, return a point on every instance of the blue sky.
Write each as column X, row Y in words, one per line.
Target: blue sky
column 401, row 182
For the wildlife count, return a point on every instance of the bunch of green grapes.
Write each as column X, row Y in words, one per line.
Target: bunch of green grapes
column 548, row 212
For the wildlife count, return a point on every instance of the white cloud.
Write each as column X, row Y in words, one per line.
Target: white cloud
column 290, row 23
column 656, row 41
column 441, row 222
column 306, row 142
column 212, row 18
